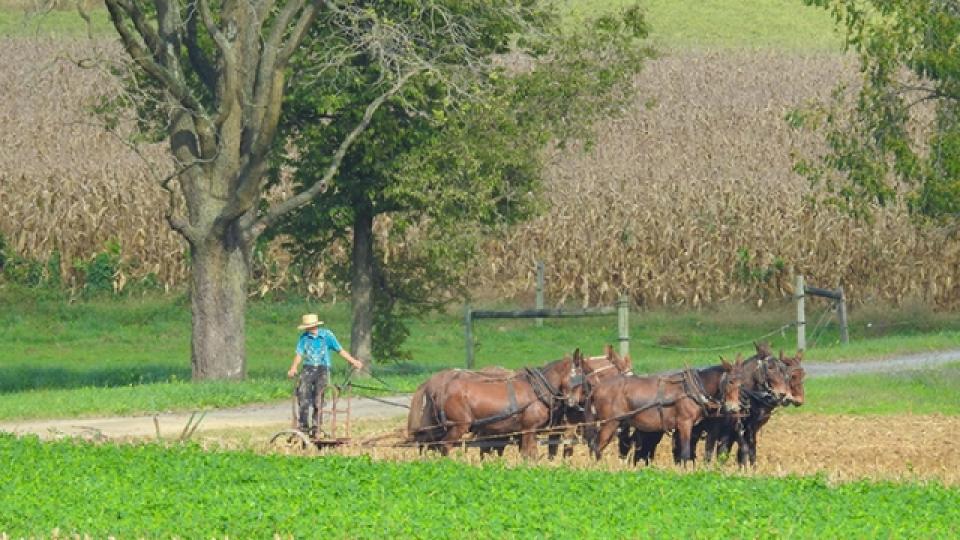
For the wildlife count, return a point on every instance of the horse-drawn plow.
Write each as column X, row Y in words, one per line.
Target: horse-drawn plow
column 330, row 421
column 843, row 447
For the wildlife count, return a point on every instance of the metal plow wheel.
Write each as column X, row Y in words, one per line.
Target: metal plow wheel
column 291, row 441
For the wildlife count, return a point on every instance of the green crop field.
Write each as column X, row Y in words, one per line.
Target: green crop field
column 148, row 490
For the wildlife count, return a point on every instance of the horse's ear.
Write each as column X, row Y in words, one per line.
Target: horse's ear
column 727, row 366
column 799, row 356
column 577, row 357
column 763, row 348
column 781, row 355
column 739, row 361
column 627, row 363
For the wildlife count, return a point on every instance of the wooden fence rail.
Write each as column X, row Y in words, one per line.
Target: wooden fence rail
column 621, row 310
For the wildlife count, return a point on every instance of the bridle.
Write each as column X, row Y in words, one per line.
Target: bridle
column 762, row 390
column 549, row 394
column 589, row 384
column 790, row 369
column 701, row 397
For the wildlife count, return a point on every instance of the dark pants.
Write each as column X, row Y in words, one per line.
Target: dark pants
column 312, row 382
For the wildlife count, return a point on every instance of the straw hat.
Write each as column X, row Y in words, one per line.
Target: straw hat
column 310, row 320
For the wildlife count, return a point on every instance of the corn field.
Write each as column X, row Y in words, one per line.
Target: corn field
column 688, row 199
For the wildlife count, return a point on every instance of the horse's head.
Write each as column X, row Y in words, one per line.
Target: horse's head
column 795, row 376
column 733, row 374
column 599, row 368
column 572, row 379
column 763, row 349
column 771, row 378
column 623, row 363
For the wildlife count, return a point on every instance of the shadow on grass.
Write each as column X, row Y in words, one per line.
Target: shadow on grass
column 30, row 378
column 26, row 378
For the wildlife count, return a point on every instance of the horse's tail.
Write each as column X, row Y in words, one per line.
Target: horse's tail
column 423, row 422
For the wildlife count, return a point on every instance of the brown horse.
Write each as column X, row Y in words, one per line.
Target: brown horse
column 797, row 376
column 423, row 425
column 596, row 369
column 522, row 404
column 763, row 379
column 771, row 383
column 663, row 403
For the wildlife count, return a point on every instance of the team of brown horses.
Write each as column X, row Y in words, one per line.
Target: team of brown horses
column 596, row 398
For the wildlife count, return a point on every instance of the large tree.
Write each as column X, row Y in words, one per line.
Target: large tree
column 446, row 172
column 216, row 73
column 898, row 134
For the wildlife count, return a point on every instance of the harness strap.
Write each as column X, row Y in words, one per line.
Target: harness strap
column 660, row 402
column 545, row 391
column 511, row 396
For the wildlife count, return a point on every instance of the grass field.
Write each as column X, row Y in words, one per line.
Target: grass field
column 189, row 492
column 782, row 24
column 132, row 355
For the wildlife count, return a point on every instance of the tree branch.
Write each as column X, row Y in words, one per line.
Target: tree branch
column 146, row 61
column 298, row 33
column 198, row 58
column 150, row 36
column 278, row 210
column 227, row 84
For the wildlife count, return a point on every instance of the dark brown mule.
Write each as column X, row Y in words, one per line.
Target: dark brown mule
column 763, row 379
column 423, row 425
column 596, row 370
column 521, row 404
column 770, row 383
column 744, row 430
column 663, row 403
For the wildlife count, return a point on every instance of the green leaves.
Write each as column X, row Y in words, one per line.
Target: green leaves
column 456, row 155
column 882, row 144
column 184, row 491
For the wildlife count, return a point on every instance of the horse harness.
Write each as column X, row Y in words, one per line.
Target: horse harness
column 763, row 393
column 546, row 393
column 692, row 388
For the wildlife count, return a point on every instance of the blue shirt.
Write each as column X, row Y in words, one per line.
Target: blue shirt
column 315, row 350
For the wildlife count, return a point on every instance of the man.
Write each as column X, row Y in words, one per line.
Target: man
column 313, row 350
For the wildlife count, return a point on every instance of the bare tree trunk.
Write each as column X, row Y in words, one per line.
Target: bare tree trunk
column 361, row 285
column 218, row 298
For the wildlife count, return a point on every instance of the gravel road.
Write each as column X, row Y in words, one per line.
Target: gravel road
column 278, row 415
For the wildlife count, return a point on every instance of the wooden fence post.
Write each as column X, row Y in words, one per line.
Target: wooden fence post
column 468, row 334
column 539, row 289
column 801, row 315
column 842, row 314
column 623, row 324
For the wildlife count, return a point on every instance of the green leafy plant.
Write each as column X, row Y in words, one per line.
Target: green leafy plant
column 99, row 273
column 749, row 272
column 184, row 491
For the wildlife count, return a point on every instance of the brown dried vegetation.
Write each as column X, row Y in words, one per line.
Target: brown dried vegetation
column 894, row 447
column 688, row 199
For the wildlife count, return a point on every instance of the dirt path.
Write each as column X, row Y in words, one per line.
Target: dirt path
column 278, row 415
column 888, row 365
